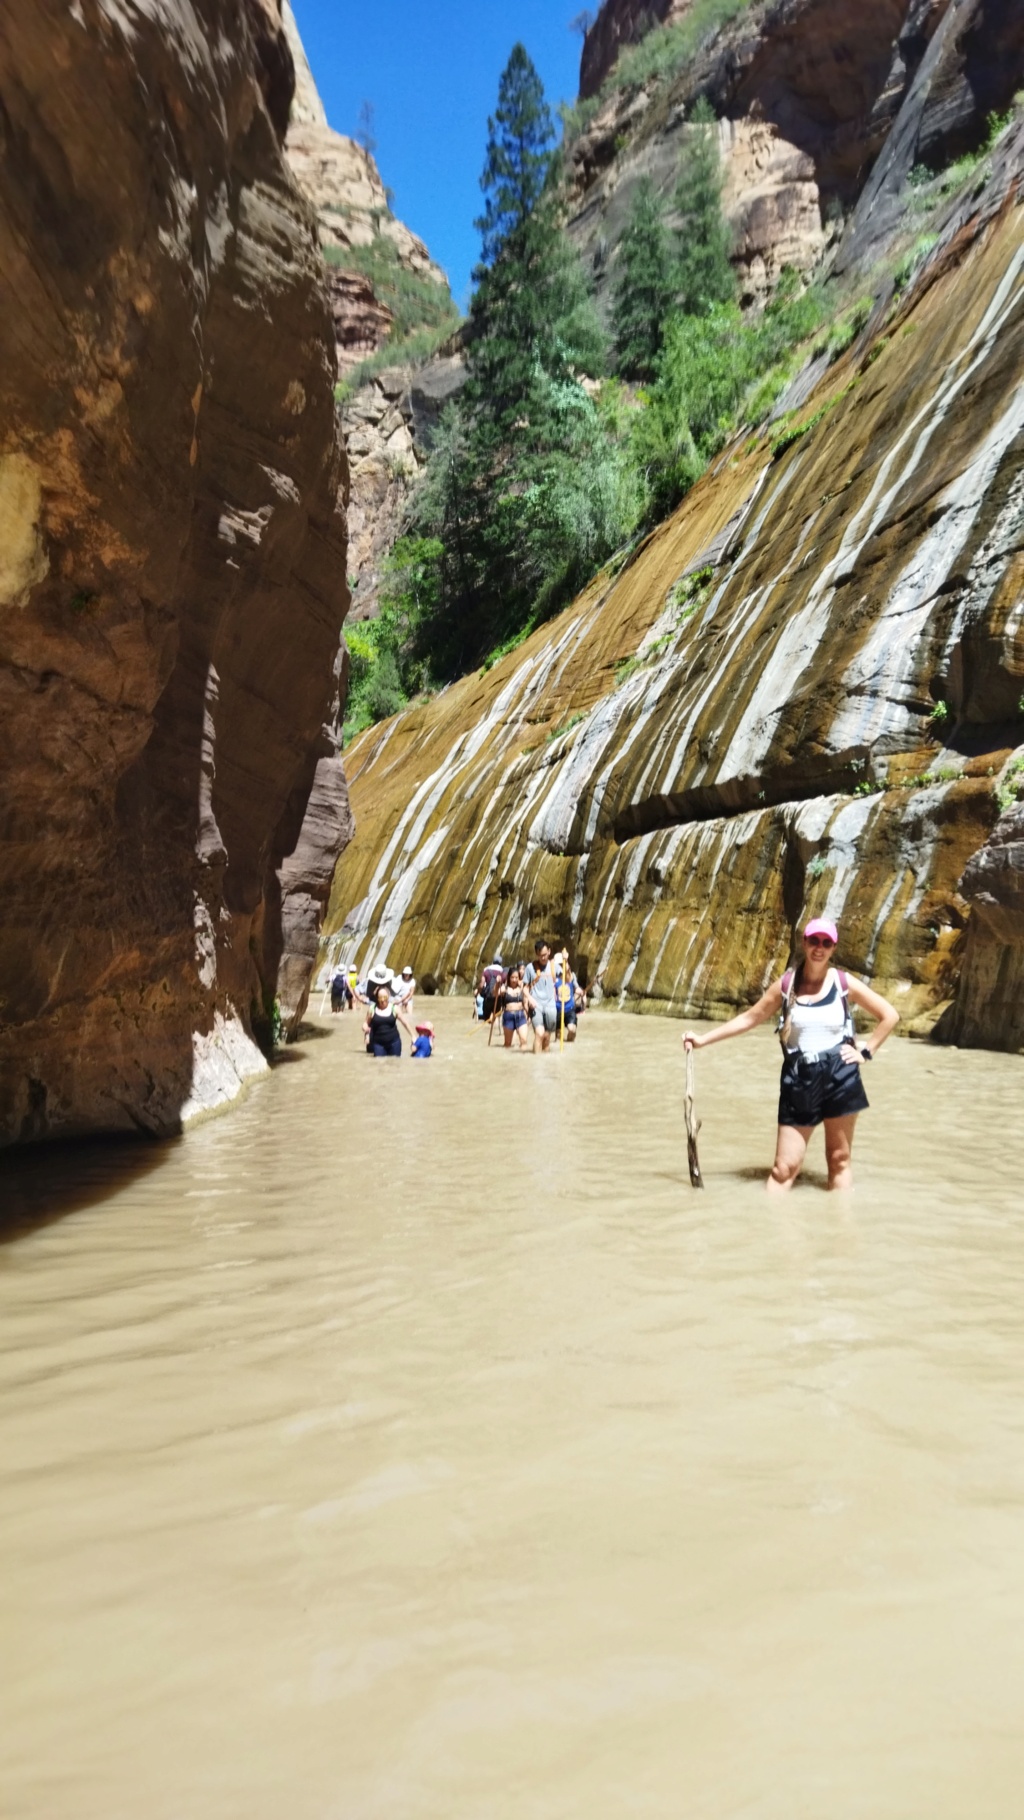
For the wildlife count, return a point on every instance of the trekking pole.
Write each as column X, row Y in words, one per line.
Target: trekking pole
column 692, row 1126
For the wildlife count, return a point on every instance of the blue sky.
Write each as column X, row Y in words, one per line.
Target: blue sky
column 431, row 72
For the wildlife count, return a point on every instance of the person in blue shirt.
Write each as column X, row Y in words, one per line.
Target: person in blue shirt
column 424, row 1043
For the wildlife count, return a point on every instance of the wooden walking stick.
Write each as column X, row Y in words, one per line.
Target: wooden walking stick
column 692, row 1126
column 497, row 991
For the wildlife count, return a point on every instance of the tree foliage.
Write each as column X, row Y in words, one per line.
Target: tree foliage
column 704, row 274
column 644, row 290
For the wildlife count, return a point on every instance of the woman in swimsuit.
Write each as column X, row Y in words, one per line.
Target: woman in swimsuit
column 821, row 1070
column 381, row 1027
column 512, row 996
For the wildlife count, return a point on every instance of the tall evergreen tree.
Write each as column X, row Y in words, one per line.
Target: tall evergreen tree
column 644, row 288
column 704, row 274
column 532, row 318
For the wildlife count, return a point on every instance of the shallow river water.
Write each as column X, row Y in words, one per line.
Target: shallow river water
column 415, row 1442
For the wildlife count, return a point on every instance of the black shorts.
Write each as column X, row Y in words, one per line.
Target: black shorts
column 828, row 1088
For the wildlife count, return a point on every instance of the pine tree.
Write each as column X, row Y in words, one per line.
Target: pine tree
column 531, row 315
column 704, row 274
column 644, row 286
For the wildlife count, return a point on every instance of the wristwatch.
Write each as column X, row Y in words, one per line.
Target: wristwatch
column 868, row 1054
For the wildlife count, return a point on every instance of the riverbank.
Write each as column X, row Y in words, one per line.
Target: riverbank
column 415, row 1441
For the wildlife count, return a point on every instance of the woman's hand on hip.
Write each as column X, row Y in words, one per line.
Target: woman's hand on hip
column 851, row 1053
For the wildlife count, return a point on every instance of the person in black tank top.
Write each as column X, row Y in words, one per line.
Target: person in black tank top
column 381, row 1027
column 512, row 999
column 821, row 1070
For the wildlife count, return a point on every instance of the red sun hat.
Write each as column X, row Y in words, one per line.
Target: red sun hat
column 820, row 925
column 424, row 1030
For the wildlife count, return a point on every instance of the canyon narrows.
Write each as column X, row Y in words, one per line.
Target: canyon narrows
column 172, row 562
column 804, row 693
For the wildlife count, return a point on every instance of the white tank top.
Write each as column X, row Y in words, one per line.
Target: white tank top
column 820, row 1026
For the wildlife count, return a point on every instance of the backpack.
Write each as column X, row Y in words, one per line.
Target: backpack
column 782, row 1027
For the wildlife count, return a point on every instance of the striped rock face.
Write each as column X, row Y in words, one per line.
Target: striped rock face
column 739, row 730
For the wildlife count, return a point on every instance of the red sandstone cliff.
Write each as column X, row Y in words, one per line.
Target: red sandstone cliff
column 172, row 559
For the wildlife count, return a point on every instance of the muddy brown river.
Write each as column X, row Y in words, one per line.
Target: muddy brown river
column 414, row 1442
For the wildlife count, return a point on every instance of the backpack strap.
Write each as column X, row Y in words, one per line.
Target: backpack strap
column 844, row 987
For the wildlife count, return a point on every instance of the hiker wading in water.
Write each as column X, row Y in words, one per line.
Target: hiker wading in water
column 821, row 1071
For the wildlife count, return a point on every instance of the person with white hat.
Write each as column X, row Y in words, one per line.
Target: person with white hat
column 822, row 1058
column 376, row 978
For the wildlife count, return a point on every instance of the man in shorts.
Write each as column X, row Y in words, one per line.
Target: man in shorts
column 539, row 980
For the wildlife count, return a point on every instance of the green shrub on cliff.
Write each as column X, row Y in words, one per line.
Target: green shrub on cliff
column 384, row 666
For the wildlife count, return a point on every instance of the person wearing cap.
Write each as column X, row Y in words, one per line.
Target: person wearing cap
column 424, row 1043
column 822, row 1058
column 403, row 990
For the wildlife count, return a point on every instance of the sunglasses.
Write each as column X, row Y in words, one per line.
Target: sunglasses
column 819, row 941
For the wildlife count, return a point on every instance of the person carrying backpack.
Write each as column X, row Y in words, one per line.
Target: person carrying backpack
column 822, row 1058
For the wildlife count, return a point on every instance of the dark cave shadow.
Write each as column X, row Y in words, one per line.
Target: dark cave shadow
column 312, row 1033
column 44, row 1182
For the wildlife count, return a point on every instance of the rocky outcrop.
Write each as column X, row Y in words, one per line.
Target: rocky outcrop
column 618, row 24
column 989, row 1007
column 389, row 425
column 796, row 698
column 809, row 94
column 172, row 583
column 354, row 214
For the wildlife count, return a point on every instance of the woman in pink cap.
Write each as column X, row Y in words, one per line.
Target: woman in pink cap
column 822, row 1059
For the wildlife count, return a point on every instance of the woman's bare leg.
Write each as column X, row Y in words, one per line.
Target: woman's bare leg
column 790, row 1150
column 838, row 1145
column 507, row 1034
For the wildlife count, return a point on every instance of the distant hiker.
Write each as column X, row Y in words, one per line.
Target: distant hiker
column 571, row 1002
column 821, row 1069
column 339, row 992
column 539, row 980
column 491, row 980
column 377, row 977
column 381, row 1027
column 403, row 990
column 424, row 1044
column 512, row 1001
column 478, row 1002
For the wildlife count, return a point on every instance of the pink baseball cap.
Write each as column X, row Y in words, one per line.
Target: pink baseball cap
column 820, row 925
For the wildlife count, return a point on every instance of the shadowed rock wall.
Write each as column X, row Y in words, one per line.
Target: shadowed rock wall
column 741, row 729
column 172, row 556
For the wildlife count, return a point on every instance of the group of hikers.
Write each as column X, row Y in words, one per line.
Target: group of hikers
column 812, row 1004
column 389, row 1001
column 545, row 994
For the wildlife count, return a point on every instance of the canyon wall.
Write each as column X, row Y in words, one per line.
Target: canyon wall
column 800, row 696
column 809, row 94
column 172, row 561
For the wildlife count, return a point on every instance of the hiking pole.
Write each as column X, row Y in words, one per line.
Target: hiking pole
column 692, row 1126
